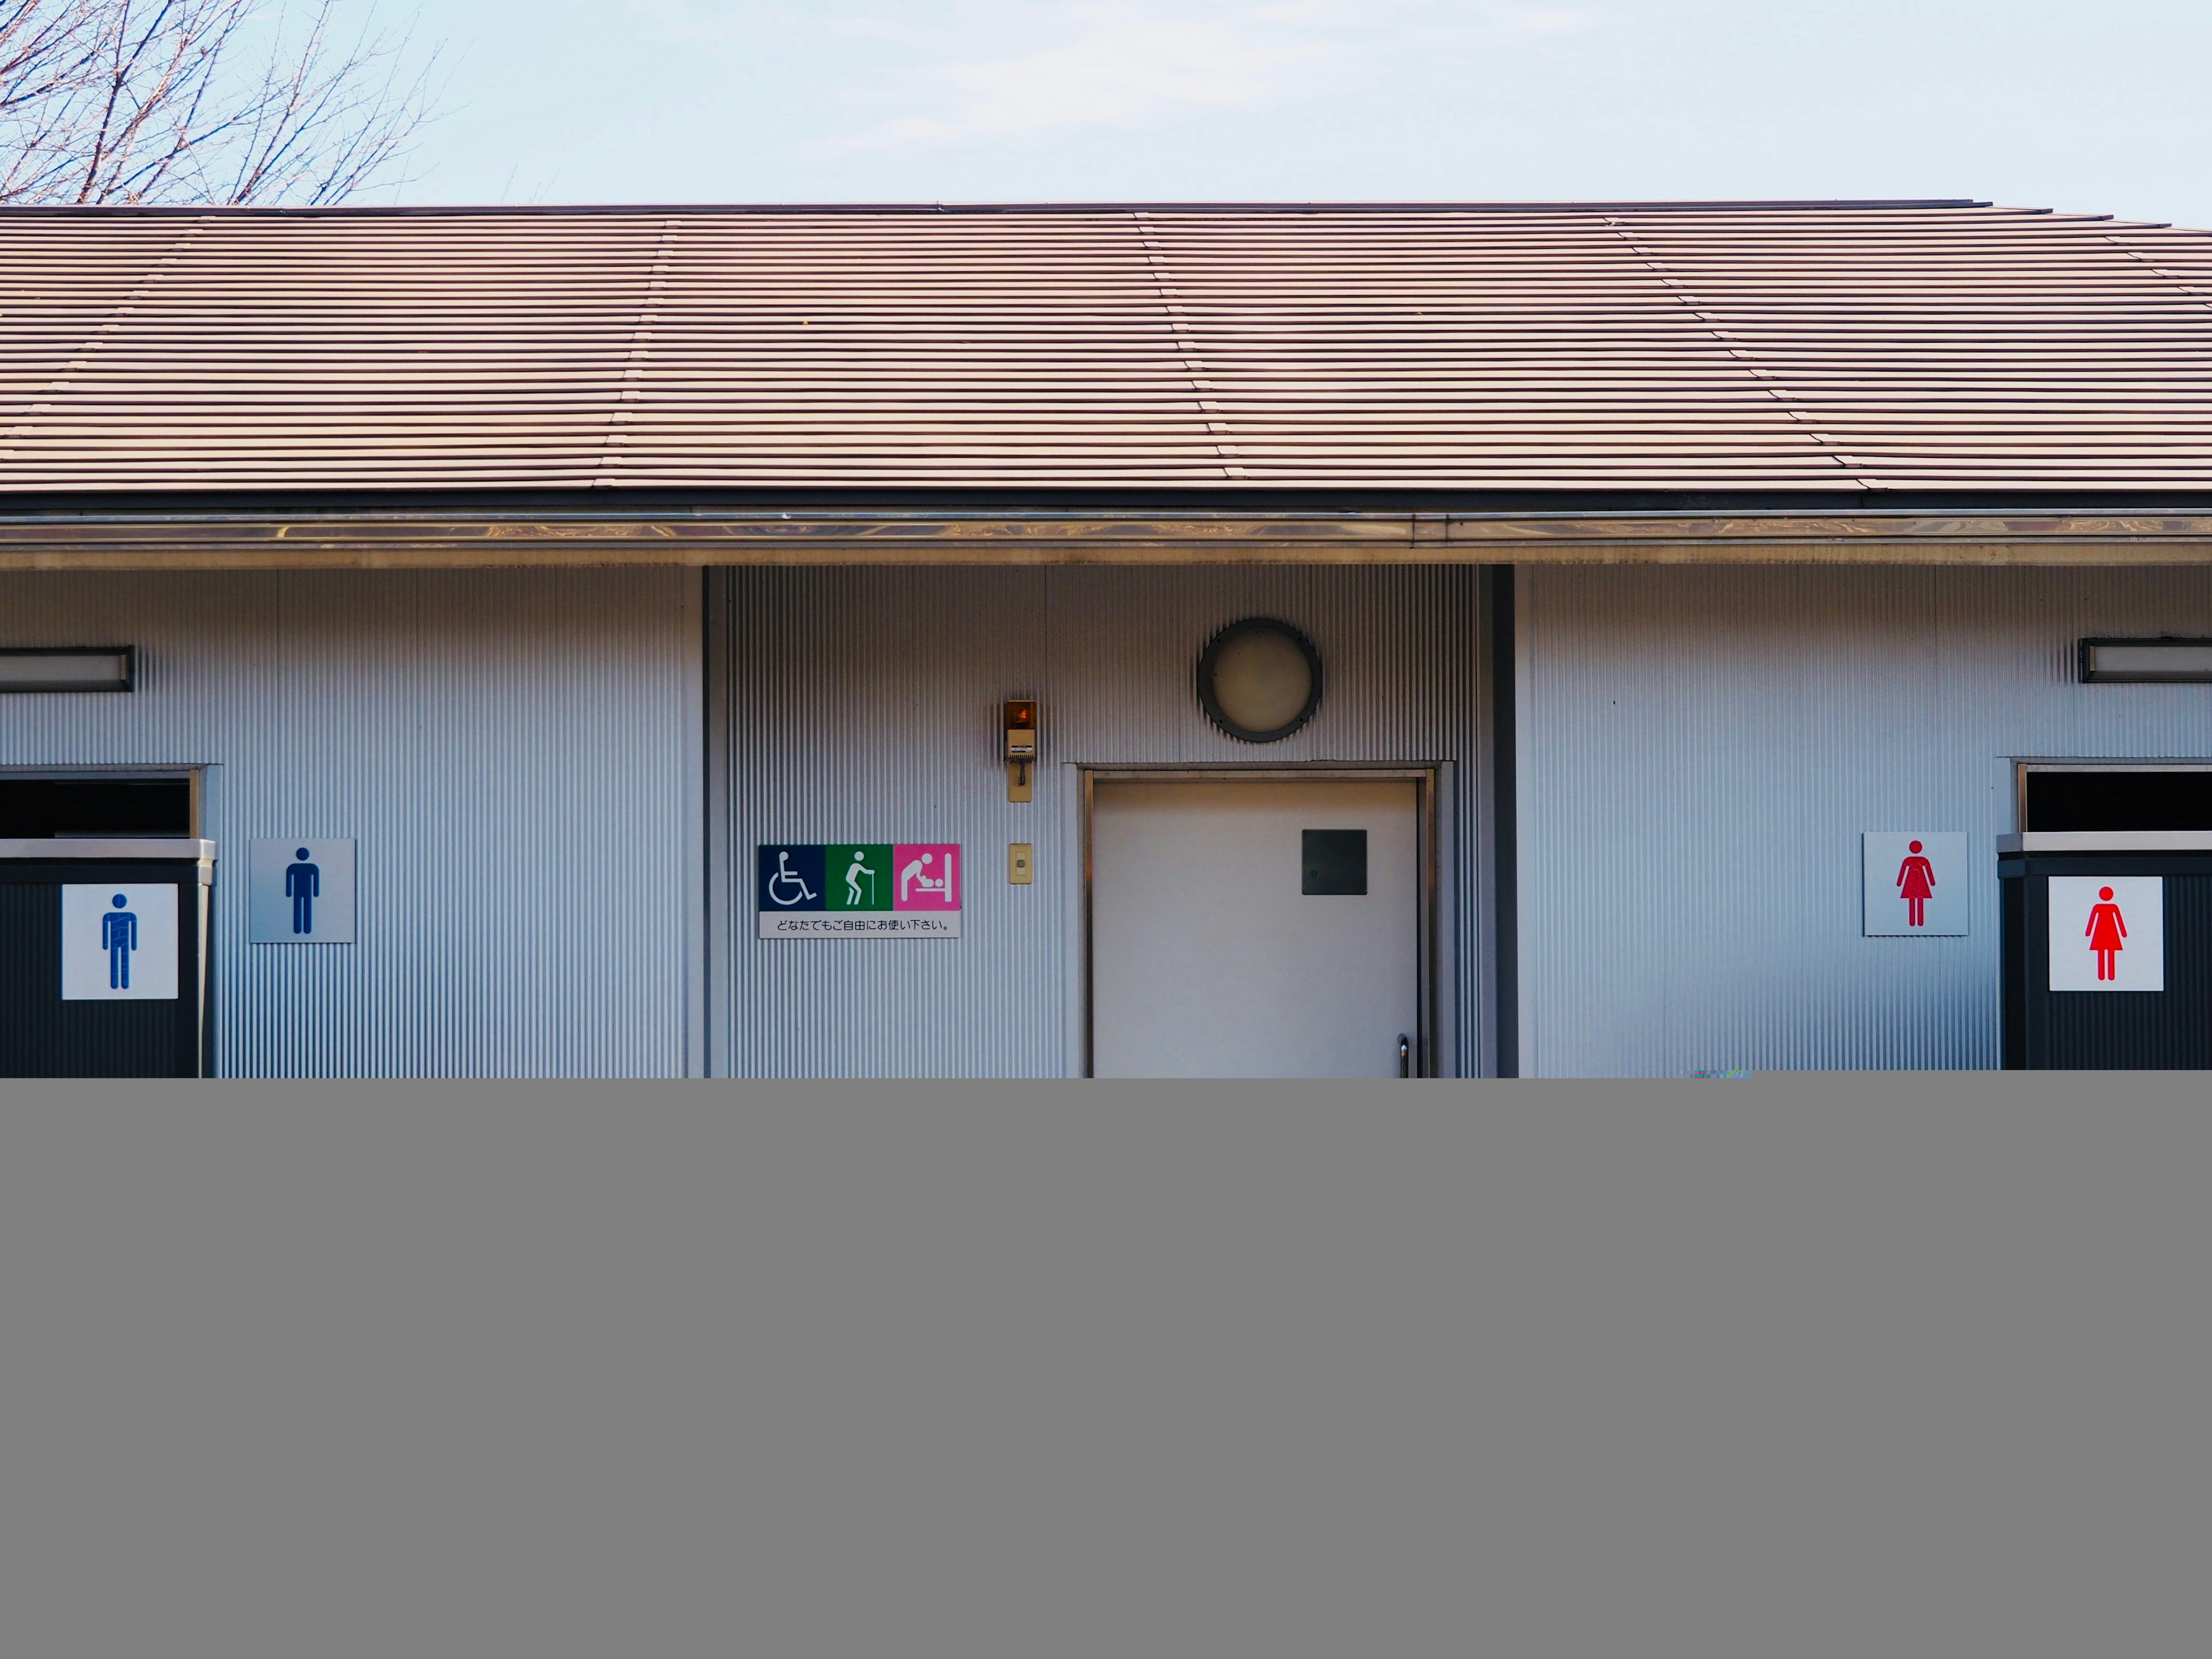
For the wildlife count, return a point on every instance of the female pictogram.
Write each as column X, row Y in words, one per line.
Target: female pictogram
column 2105, row 932
column 1916, row 885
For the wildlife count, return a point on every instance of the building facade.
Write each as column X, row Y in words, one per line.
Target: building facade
column 1703, row 749
column 1654, row 567
column 514, row 755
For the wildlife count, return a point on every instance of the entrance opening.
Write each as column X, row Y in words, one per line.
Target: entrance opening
column 2116, row 797
column 103, row 926
column 86, row 809
column 1269, row 927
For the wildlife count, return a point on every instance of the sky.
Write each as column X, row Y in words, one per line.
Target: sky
column 2093, row 106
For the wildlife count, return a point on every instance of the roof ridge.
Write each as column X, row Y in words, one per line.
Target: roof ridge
column 1038, row 209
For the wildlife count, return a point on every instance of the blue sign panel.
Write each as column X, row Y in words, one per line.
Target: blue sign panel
column 791, row 877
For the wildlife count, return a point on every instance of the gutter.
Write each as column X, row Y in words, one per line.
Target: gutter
column 451, row 538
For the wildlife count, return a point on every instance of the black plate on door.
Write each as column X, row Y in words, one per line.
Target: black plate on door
column 1334, row 861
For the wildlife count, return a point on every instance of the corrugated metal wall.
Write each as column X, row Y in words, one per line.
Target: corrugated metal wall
column 863, row 705
column 1700, row 749
column 516, row 751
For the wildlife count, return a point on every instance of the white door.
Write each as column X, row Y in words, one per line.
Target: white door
column 1254, row 929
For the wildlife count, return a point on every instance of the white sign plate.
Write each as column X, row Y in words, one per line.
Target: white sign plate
column 862, row 923
column 2107, row 933
column 300, row 890
column 120, row 943
column 1916, row 882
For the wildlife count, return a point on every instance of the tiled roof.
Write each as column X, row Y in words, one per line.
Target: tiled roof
column 1847, row 347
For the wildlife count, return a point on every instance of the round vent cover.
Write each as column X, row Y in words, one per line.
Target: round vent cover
column 1259, row 679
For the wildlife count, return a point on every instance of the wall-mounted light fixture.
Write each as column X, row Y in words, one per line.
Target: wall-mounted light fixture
column 2147, row 662
column 1259, row 679
column 1021, row 748
column 68, row 668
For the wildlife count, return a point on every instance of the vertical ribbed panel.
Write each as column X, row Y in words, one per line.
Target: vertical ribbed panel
column 863, row 704
column 1701, row 749
column 515, row 750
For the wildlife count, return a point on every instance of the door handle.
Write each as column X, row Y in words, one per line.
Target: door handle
column 1405, row 1055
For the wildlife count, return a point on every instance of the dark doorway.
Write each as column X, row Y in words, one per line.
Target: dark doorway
column 2116, row 798
column 46, row 1029
column 39, row 809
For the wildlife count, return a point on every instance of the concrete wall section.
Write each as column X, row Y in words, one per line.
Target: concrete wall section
column 517, row 753
column 1699, row 749
column 863, row 705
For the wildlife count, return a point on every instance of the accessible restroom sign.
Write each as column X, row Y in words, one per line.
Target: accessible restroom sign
column 859, row 890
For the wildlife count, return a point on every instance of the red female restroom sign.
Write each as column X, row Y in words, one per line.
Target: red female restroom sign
column 1917, row 883
column 2107, row 934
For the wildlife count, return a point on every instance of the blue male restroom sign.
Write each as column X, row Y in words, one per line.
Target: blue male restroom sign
column 299, row 890
column 119, row 943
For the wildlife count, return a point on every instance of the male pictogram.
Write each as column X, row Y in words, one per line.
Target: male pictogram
column 303, row 885
column 119, row 936
column 2106, row 930
column 1916, row 885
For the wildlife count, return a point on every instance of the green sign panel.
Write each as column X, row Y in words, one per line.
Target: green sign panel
column 858, row 876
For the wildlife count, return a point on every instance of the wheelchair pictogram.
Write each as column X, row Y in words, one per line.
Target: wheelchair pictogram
column 791, row 877
column 786, row 887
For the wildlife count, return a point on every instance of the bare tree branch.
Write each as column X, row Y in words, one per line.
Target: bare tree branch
column 49, row 50
column 173, row 101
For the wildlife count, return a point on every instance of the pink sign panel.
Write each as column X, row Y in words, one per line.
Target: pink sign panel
column 927, row 876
